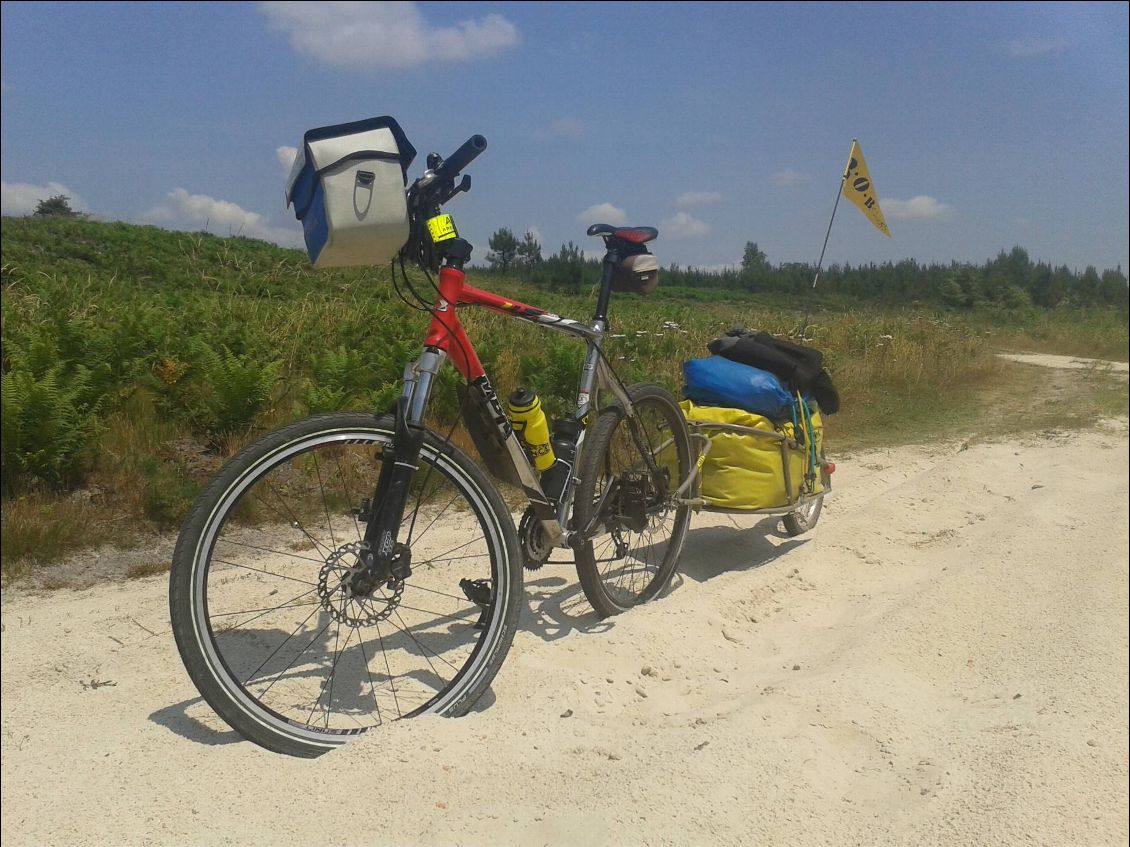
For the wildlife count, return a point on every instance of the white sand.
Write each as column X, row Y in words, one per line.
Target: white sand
column 943, row 661
column 1047, row 360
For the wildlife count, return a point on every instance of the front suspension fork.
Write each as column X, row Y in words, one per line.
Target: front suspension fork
column 383, row 553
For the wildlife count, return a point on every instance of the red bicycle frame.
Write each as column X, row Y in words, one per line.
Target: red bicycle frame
column 446, row 331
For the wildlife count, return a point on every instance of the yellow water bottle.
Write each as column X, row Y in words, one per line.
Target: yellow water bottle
column 529, row 422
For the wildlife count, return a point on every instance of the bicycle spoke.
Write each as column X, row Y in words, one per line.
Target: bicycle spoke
column 440, row 558
column 297, row 656
column 404, row 628
column 330, row 677
column 372, row 685
column 348, row 495
column 294, row 522
column 281, row 605
column 325, row 505
column 388, row 670
column 440, row 614
column 424, row 531
column 268, row 550
column 260, row 570
column 433, row 591
column 273, row 609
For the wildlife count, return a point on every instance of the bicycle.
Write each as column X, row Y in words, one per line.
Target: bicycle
column 350, row 569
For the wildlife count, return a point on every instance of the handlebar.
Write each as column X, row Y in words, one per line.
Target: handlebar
column 462, row 157
column 426, row 195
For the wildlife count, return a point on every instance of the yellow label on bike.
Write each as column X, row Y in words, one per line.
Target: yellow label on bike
column 441, row 228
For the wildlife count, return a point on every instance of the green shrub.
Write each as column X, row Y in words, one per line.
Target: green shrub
column 167, row 494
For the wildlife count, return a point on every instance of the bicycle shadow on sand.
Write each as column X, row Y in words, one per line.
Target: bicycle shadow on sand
column 556, row 604
column 740, row 544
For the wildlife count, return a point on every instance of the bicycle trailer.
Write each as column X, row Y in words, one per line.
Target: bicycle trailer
column 760, row 443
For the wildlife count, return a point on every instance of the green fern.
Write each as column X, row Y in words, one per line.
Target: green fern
column 340, row 376
column 47, row 427
column 232, row 388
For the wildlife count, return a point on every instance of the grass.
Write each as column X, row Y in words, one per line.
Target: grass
column 166, row 352
column 1087, row 333
column 41, row 527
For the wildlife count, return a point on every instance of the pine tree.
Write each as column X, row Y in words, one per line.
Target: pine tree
column 504, row 249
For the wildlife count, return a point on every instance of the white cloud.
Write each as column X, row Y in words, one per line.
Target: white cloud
column 920, row 208
column 374, row 34
column 682, row 225
column 21, row 198
column 1035, row 46
column 182, row 210
column 567, row 128
column 698, row 198
column 286, row 156
column 788, row 177
column 603, row 213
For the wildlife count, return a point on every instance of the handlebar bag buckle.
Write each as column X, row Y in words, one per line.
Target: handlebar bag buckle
column 347, row 188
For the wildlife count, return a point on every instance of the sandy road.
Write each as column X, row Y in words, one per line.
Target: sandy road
column 943, row 661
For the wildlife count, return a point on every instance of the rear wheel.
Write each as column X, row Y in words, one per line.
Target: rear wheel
column 629, row 471
column 805, row 518
column 284, row 645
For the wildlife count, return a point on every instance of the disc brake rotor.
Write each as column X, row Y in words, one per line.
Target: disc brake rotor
column 336, row 593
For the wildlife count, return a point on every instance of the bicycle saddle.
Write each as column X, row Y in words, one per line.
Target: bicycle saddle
column 632, row 234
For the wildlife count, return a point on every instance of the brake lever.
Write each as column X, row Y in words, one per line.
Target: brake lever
column 464, row 185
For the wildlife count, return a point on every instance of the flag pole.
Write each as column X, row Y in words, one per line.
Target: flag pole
column 827, row 235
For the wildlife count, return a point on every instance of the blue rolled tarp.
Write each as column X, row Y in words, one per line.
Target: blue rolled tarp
column 717, row 381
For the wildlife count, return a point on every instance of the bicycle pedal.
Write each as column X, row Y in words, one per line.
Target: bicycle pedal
column 480, row 592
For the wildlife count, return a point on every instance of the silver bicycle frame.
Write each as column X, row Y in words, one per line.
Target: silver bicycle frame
column 596, row 375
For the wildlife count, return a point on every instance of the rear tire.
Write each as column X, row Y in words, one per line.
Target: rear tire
column 633, row 557
column 805, row 518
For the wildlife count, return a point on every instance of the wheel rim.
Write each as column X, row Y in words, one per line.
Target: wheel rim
column 804, row 513
column 277, row 625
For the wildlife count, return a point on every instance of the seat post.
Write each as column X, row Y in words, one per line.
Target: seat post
column 608, row 269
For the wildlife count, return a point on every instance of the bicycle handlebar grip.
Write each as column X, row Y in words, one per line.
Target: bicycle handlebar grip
column 462, row 157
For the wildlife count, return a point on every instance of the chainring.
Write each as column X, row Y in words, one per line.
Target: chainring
column 535, row 550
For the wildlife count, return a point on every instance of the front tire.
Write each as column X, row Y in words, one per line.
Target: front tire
column 275, row 641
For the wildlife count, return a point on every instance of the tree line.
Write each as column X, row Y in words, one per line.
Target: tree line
column 1009, row 280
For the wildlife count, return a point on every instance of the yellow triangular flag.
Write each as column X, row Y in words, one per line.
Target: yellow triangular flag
column 859, row 189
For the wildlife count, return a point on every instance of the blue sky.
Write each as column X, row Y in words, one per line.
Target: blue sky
column 984, row 125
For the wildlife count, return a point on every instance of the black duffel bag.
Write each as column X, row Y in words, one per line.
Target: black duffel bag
column 801, row 368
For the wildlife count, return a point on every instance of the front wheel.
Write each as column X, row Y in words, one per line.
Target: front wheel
column 630, row 470
column 275, row 634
